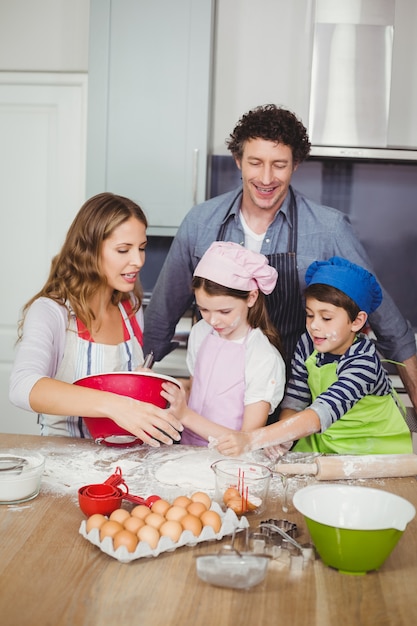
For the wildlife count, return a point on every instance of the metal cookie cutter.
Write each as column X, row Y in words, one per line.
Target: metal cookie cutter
column 290, row 528
column 304, row 553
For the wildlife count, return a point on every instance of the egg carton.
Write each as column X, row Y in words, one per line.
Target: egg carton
column 230, row 523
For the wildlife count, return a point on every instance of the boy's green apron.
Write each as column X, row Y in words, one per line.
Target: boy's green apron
column 374, row 425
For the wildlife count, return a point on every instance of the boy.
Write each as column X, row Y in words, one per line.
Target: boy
column 339, row 398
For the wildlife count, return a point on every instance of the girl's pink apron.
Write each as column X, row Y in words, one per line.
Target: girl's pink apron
column 82, row 357
column 218, row 388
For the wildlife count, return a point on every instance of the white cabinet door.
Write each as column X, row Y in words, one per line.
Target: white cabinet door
column 149, row 90
column 42, row 186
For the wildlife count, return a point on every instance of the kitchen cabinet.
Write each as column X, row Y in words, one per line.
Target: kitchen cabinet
column 148, row 106
column 363, row 100
column 42, row 185
column 262, row 55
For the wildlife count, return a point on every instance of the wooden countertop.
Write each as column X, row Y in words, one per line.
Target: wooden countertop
column 50, row 575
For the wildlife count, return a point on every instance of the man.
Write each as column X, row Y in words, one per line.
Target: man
column 266, row 215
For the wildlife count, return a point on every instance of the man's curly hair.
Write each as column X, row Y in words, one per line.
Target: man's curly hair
column 273, row 124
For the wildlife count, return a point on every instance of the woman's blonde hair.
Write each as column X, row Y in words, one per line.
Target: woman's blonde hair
column 75, row 274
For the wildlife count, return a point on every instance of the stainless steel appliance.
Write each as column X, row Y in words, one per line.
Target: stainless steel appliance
column 363, row 94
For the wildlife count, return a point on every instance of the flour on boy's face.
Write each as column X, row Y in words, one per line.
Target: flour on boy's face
column 329, row 327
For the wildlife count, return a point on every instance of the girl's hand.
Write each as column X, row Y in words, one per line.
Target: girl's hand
column 177, row 398
column 235, row 443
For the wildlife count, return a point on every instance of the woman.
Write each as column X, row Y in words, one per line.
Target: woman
column 87, row 319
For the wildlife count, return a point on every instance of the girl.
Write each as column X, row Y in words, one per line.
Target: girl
column 87, row 319
column 339, row 398
column 237, row 371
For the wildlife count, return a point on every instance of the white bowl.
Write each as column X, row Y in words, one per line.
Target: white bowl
column 232, row 570
column 22, row 483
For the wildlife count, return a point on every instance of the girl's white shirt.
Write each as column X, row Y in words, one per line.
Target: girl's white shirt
column 41, row 350
column 264, row 365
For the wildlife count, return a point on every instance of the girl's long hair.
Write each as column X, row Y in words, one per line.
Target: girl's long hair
column 75, row 274
column 258, row 316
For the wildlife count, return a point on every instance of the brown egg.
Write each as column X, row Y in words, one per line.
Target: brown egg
column 230, row 493
column 109, row 529
column 175, row 513
column 155, row 520
column 150, row 535
column 160, row 506
column 125, row 538
column 119, row 515
column 133, row 524
column 236, row 504
column 171, row 529
column 239, row 505
column 213, row 519
column 183, row 501
column 95, row 521
column 141, row 510
column 192, row 523
column 196, row 508
column 200, row 496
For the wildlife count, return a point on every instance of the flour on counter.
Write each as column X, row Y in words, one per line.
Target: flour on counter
column 167, row 471
column 66, row 471
column 191, row 469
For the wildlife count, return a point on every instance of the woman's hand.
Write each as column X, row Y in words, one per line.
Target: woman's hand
column 148, row 422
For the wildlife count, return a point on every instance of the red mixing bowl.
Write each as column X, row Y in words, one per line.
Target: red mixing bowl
column 144, row 386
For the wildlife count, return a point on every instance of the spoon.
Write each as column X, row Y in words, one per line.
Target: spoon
column 149, row 360
column 117, row 480
column 13, row 464
column 229, row 548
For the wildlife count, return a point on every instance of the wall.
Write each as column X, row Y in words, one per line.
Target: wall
column 44, row 35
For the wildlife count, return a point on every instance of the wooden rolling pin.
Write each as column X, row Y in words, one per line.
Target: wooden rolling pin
column 335, row 467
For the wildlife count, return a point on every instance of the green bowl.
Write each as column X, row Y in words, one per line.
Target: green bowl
column 354, row 529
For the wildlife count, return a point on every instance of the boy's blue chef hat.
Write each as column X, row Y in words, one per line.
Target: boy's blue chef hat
column 355, row 281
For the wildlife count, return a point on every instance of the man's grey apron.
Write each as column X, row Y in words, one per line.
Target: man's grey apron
column 285, row 305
